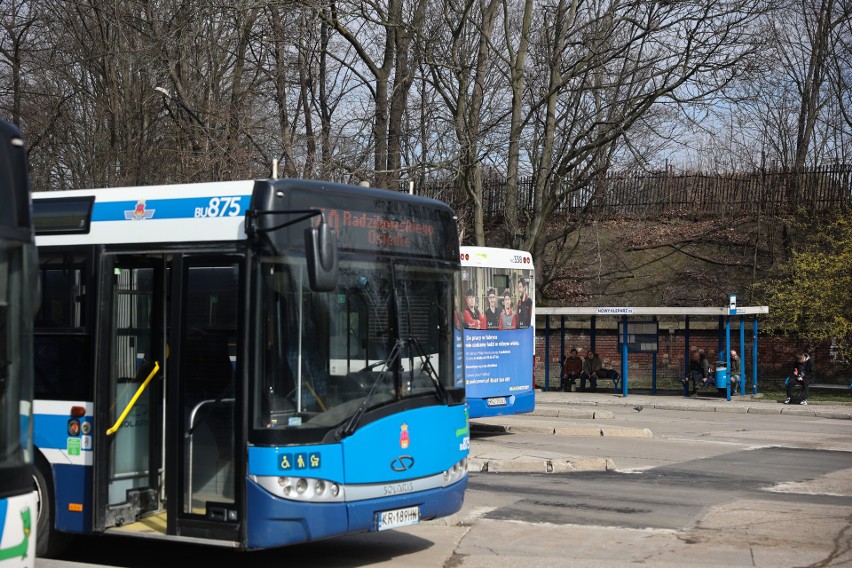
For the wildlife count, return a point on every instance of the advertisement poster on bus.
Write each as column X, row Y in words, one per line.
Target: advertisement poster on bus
column 498, row 362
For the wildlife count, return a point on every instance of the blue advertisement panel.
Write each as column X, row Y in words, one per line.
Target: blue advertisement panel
column 498, row 362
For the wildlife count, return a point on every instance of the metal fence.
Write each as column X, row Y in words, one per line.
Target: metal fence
column 665, row 193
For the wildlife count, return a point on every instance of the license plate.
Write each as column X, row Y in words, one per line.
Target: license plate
column 496, row 401
column 399, row 518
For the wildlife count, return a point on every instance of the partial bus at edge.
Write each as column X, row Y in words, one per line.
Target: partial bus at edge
column 18, row 296
column 499, row 348
column 249, row 364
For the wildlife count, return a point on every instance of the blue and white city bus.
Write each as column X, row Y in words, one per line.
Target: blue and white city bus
column 497, row 306
column 250, row 364
column 18, row 505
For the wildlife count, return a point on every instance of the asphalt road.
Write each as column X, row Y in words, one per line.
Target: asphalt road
column 589, row 481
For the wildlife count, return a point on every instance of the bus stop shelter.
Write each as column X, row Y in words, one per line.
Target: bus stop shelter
column 639, row 335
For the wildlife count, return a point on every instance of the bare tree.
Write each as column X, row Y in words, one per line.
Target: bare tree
column 597, row 71
column 392, row 25
column 460, row 53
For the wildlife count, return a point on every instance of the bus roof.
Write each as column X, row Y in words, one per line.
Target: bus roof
column 495, row 257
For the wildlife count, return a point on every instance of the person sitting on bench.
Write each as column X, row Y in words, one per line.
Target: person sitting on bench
column 799, row 377
column 571, row 369
column 591, row 365
column 734, row 372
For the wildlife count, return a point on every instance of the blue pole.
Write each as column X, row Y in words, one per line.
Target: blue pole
column 654, row 363
column 561, row 348
column 728, row 357
column 742, row 355
column 624, row 358
column 654, row 373
column 686, row 354
column 754, row 356
column 592, row 334
column 546, row 353
column 721, row 338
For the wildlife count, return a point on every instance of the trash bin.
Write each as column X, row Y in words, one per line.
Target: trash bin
column 721, row 374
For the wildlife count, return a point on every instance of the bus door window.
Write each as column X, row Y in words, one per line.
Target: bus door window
column 207, row 385
column 133, row 353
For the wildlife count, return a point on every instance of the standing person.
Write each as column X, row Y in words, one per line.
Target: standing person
column 492, row 312
column 705, row 366
column 591, row 366
column 735, row 372
column 696, row 374
column 525, row 304
column 473, row 318
column 810, row 365
column 508, row 316
column 810, row 374
column 571, row 369
column 798, row 378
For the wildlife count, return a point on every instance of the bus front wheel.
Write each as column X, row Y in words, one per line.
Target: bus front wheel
column 49, row 541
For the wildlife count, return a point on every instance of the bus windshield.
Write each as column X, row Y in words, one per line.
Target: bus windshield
column 326, row 359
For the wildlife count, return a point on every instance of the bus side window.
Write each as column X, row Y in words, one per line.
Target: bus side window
column 62, row 367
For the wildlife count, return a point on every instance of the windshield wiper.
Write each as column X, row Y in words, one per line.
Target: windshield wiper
column 349, row 428
column 426, row 365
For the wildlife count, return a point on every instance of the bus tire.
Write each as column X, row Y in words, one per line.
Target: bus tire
column 49, row 541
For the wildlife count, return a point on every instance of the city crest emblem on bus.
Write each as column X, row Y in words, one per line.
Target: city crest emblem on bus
column 139, row 212
column 404, row 441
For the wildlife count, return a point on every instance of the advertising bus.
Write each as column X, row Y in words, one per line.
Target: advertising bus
column 251, row 364
column 18, row 505
column 497, row 307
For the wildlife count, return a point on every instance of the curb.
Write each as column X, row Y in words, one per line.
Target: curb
column 527, row 464
column 595, row 431
column 734, row 407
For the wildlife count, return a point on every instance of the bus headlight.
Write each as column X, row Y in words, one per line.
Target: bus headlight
column 301, row 488
column 456, row 473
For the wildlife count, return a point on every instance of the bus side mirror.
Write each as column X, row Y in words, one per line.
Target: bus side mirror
column 321, row 256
